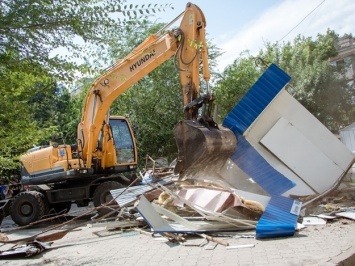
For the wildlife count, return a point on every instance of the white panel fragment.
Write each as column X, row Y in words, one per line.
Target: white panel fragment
column 309, row 130
column 293, row 148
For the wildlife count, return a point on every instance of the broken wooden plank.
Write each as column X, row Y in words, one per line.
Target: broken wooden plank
column 213, row 239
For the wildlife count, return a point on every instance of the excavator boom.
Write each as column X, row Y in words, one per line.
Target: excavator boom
column 187, row 44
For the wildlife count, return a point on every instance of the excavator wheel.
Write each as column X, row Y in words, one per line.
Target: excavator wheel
column 28, row 207
column 102, row 195
column 202, row 150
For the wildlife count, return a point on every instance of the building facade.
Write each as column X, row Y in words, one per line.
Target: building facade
column 346, row 56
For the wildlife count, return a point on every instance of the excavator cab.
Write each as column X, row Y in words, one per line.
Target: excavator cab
column 124, row 141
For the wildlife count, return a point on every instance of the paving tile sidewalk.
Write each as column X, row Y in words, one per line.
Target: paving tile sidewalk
column 315, row 245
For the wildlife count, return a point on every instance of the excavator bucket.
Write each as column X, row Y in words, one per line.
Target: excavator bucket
column 201, row 149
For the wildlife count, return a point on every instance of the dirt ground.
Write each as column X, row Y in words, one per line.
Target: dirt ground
column 342, row 198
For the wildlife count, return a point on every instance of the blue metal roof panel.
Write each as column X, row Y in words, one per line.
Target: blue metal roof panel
column 277, row 219
column 254, row 165
column 271, row 82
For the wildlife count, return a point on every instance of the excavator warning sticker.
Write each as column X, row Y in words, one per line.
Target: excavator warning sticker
column 296, row 207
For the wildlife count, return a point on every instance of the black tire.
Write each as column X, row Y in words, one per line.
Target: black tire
column 60, row 208
column 28, row 207
column 102, row 195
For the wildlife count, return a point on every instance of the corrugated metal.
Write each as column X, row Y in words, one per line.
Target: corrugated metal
column 256, row 99
column 277, row 219
column 271, row 82
column 255, row 166
column 181, row 225
column 126, row 196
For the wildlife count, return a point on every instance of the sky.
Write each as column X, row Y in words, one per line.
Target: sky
column 236, row 26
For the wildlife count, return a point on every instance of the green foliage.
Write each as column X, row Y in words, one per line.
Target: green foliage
column 17, row 125
column 235, row 81
column 34, row 29
column 34, row 107
column 56, row 108
column 316, row 84
column 8, row 168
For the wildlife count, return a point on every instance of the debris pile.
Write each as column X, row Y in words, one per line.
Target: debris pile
column 262, row 187
column 179, row 212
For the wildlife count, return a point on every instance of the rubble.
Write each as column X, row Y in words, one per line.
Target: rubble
column 210, row 223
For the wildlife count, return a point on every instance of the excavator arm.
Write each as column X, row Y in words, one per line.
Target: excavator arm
column 187, row 43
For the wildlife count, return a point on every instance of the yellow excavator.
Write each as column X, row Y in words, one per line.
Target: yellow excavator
column 105, row 155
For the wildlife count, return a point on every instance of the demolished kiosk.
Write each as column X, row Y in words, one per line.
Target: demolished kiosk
column 283, row 154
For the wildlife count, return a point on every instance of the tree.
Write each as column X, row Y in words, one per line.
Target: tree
column 316, row 84
column 34, row 107
column 58, row 109
column 18, row 129
column 32, row 30
column 234, row 82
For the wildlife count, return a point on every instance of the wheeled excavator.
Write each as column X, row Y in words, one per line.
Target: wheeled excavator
column 105, row 155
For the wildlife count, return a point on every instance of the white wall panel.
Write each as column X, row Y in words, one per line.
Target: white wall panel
column 285, row 106
column 297, row 152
